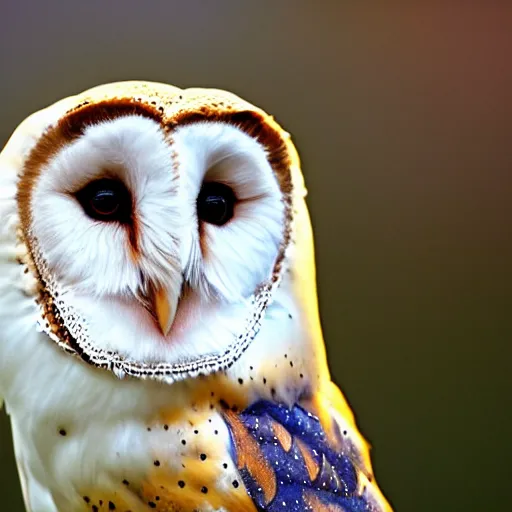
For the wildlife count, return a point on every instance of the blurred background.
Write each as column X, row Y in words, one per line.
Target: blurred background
column 402, row 114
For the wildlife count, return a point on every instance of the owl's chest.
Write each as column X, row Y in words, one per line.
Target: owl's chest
column 105, row 444
column 187, row 466
column 180, row 463
column 94, row 441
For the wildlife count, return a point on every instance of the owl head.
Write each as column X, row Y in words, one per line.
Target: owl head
column 156, row 226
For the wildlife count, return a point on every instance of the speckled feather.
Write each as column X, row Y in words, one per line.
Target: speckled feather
column 255, row 424
column 293, row 465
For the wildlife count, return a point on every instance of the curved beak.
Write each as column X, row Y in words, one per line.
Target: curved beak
column 162, row 302
column 164, row 309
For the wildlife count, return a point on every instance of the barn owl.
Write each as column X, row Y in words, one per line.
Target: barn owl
column 160, row 343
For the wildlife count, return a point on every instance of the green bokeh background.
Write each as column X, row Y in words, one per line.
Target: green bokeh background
column 402, row 114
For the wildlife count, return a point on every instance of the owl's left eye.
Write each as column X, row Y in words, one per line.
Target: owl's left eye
column 106, row 200
column 215, row 203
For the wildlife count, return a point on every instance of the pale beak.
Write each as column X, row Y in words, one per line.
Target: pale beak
column 164, row 304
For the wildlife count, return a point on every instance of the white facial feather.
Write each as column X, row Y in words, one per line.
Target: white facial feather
column 239, row 255
column 221, row 265
column 93, row 257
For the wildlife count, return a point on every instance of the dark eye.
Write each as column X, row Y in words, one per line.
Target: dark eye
column 106, row 200
column 215, row 203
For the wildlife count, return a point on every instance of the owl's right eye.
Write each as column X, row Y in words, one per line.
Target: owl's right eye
column 106, row 200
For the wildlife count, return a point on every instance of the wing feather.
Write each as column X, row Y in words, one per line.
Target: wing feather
column 286, row 456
